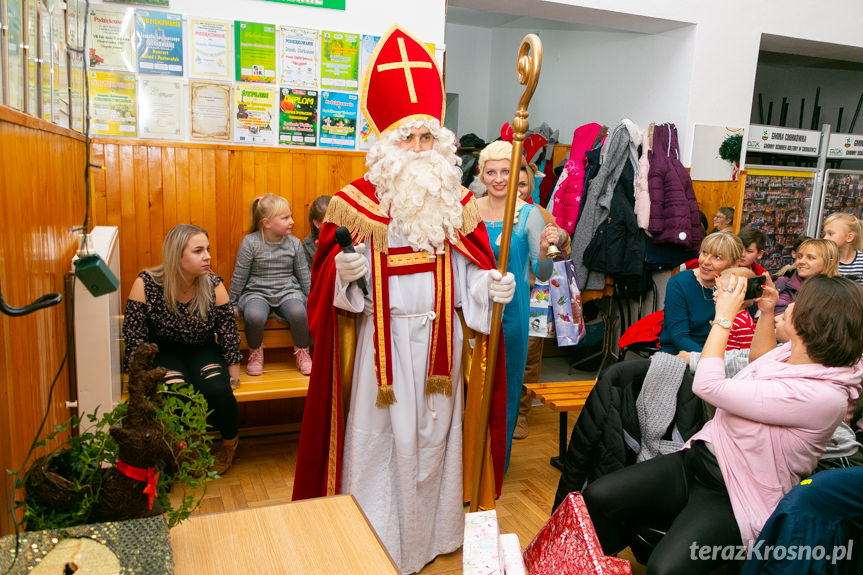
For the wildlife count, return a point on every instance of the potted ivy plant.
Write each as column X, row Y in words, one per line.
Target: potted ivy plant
column 62, row 488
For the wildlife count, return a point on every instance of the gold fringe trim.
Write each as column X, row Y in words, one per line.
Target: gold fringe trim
column 341, row 213
column 470, row 217
column 386, row 396
column 440, row 384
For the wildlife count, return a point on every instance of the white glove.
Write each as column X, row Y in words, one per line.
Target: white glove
column 501, row 289
column 352, row 266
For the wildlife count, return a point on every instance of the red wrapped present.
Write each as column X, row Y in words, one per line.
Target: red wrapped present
column 568, row 545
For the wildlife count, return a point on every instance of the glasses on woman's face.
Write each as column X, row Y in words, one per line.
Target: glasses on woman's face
column 718, row 217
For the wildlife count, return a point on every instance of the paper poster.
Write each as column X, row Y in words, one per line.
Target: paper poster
column 112, row 104
column 298, row 56
column 110, row 39
column 45, row 67
column 298, row 117
column 60, row 62
column 160, row 107
column 210, row 110
column 256, row 52
column 33, row 99
column 366, row 135
column 330, row 4
column 159, row 37
column 74, row 24
column 210, row 49
column 144, row 2
column 254, row 120
column 76, row 91
column 340, row 60
column 15, row 55
column 338, row 120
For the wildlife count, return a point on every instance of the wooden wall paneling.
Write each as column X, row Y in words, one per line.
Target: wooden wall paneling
column 98, row 188
column 208, row 181
column 156, row 201
column 181, row 184
column 713, row 195
column 227, row 211
column 42, row 196
column 112, row 186
column 141, row 205
column 196, row 192
column 169, row 190
column 129, row 260
column 560, row 153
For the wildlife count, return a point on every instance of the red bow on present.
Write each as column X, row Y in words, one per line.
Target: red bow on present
column 149, row 475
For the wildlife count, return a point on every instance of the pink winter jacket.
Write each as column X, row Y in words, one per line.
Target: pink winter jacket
column 773, row 421
column 567, row 198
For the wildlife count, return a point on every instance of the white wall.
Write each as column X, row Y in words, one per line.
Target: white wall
column 468, row 74
column 424, row 20
column 722, row 49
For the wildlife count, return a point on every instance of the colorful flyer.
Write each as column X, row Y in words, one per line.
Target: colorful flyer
column 298, row 56
column 254, row 121
column 340, row 60
column 159, row 37
column 160, row 105
column 110, row 39
column 210, row 49
column 60, row 86
column 338, row 120
column 210, row 109
column 112, row 104
column 366, row 136
column 298, row 117
column 32, row 56
column 74, row 24
column 76, row 91
column 256, row 52
column 15, row 55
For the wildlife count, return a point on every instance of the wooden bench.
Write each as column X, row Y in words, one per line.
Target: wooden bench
column 563, row 397
column 276, row 334
column 281, row 379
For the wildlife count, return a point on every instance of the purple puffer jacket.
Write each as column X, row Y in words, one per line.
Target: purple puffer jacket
column 674, row 215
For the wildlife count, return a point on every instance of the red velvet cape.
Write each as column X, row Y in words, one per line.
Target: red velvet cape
column 319, row 460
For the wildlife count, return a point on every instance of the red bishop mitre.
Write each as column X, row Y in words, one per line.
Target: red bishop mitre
column 402, row 83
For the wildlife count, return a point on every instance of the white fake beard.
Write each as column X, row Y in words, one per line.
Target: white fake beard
column 421, row 192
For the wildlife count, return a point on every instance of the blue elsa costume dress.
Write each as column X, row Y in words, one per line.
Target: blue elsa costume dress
column 524, row 248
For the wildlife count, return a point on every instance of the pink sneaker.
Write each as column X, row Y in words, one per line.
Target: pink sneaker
column 256, row 361
column 304, row 360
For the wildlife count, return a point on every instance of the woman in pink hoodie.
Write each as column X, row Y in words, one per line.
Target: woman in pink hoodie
column 772, row 423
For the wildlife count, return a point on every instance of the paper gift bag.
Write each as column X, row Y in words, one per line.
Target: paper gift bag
column 541, row 318
column 565, row 298
column 481, row 554
column 568, row 545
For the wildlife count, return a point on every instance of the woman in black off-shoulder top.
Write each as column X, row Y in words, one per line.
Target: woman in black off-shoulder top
column 184, row 308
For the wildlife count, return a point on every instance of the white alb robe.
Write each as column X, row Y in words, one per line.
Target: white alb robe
column 403, row 462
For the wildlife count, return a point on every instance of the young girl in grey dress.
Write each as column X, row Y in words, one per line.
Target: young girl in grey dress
column 271, row 275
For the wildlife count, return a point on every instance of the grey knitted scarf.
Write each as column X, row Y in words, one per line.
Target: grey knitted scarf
column 657, row 403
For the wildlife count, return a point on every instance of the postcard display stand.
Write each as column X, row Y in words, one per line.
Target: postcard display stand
column 785, row 202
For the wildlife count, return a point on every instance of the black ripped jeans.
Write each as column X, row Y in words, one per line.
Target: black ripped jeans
column 205, row 368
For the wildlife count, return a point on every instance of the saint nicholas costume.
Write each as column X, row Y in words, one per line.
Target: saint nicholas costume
column 389, row 417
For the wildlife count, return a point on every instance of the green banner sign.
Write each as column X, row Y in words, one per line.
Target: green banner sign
column 331, row 4
column 142, row 2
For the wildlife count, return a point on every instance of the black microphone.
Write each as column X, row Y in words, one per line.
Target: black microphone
column 346, row 242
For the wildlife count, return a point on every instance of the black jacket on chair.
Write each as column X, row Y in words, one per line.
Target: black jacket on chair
column 599, row 442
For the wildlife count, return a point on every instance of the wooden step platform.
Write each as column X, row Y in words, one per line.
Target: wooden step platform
column 280, row 380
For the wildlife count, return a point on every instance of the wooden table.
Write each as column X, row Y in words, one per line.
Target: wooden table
column 563, row 397
column 329, row 535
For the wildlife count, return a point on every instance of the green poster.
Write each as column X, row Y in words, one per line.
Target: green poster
column 340, row 60
column 142, row 2
column 256, row 52
column 331, row 4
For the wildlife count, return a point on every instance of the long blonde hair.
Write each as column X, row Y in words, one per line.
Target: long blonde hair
column 854, row 225
column 827, row 251
column 169, row 275
column 267, row 206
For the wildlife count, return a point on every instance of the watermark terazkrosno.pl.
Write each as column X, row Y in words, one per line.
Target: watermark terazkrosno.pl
column 760, row 551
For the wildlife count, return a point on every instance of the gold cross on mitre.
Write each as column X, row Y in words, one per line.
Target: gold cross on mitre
column 406, row 65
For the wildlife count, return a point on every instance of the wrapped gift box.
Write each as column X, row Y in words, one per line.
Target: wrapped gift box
column 513, row 564
column 568, row 545
column 482, row 554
